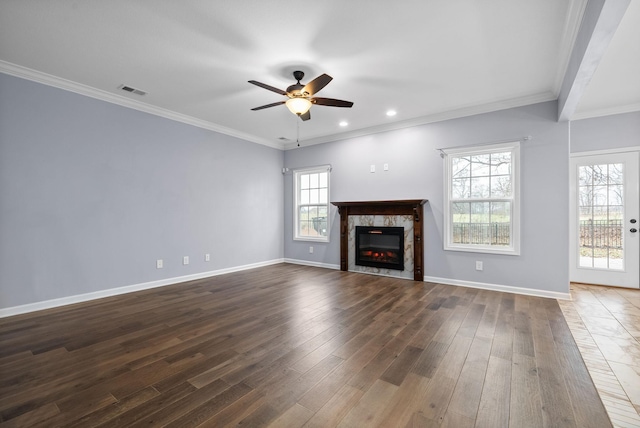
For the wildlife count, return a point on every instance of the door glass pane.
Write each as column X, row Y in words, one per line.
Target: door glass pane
column 615, row 173
column 584, row 175
column 600, row 200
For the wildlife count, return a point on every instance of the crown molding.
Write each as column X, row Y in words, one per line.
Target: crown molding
column 99, row 94
column 78, row 88
column 423, row 120
column 609, row 111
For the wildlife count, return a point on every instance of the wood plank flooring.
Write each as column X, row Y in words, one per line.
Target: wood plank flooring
column 297, row 346
column 605, row 323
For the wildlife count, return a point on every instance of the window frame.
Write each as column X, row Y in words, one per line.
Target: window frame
column 297, row 173
column 514, row 200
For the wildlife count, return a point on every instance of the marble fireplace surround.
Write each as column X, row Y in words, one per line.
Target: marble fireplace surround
column 387, row 213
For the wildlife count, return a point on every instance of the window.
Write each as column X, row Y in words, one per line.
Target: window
column 311, row 195
column 482, row 199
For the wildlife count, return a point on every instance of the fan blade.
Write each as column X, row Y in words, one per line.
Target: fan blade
column 331, row 102
column 271, row 88
column 306, row 116
column 269, row 105
column 317, row 84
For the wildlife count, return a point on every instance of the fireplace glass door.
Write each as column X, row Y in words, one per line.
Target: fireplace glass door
column 381, row 247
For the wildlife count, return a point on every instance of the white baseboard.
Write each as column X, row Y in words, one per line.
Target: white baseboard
column 54, row 303
column 447, row 281
column 314, row 264
column 497, row 287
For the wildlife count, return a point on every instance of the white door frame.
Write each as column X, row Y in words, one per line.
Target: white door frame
column 631, row 276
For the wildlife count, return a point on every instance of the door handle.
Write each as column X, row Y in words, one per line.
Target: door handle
column 633, row 230
column 633, row 221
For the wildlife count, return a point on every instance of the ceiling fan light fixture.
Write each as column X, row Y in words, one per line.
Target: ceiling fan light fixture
column 298, row 105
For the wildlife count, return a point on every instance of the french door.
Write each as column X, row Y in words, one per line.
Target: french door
column 605, row 208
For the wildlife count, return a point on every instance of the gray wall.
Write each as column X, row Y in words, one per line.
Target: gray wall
column 607, row 132
column 92, row 193
column 416, row 171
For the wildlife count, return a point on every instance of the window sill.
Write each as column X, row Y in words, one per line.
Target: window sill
column 311, row 239
column 486, row 250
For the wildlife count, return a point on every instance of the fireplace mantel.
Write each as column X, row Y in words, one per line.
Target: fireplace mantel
column 401, row 207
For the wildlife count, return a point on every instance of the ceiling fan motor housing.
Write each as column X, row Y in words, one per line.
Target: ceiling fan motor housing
column 295, row 90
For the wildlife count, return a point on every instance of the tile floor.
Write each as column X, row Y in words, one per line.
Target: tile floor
column 605, row 323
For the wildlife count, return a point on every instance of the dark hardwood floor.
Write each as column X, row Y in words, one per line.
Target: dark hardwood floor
column 289, row 345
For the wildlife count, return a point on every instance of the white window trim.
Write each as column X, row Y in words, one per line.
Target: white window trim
column 296, row 198
column 514, row 248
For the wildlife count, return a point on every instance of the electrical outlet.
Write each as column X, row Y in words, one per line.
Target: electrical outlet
column 385, row 167
column 310, row 250
column 479, row 265
column 159, row 264
column 207, row 257
column 185, row 260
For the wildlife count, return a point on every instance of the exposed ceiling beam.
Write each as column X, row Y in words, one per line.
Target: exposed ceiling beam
column 600, row 21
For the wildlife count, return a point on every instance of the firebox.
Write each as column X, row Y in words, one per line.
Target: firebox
column 381, row 247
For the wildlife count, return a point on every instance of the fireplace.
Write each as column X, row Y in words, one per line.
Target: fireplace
column 407, row 207
column 381, row 247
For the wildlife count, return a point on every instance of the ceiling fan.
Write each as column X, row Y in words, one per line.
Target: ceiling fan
column 300, row 97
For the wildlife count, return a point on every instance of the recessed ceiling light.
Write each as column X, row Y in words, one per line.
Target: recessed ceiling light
column 391, row 113
column 344, row 123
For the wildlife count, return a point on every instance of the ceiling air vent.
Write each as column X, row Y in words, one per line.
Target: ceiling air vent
column 283, row 139
column 132, row 90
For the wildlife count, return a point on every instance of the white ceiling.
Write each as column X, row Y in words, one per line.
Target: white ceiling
column 615, row 86
column 429, row 60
